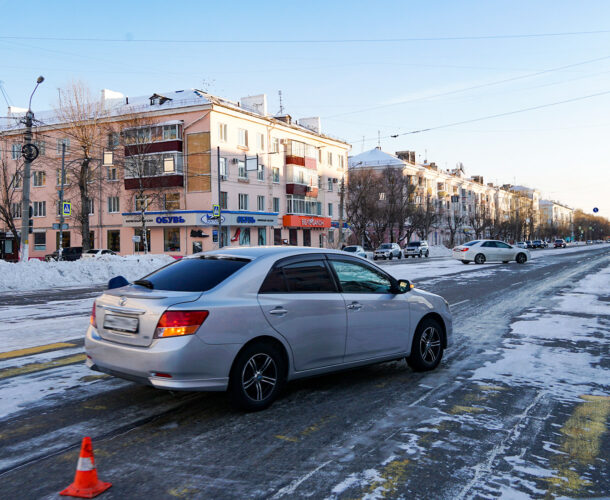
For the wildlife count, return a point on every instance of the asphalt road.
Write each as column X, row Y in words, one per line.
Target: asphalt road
column 509, row 412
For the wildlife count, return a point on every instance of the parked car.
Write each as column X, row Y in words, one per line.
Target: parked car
column 356, row 250
column 481, row 251
column 96, row 252
column 560, row 243
column 539, row 244
column 521, row 244
column 528, row 244
column 589, row 242
column 417, row 249
column 388, row 251
column 68, row 253
column 309, row 311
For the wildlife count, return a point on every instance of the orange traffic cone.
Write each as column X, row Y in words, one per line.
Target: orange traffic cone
column 86, row 484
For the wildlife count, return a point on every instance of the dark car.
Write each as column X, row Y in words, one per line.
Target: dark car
column 68, row 253
column 529, row 244
column 539, row 244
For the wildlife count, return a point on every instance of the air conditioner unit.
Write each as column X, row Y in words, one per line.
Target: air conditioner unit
column 335, row 180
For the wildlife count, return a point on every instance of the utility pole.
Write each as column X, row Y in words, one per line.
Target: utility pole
column 61, row 200
column 219, row 201
column 341, row 206
column 29, row 152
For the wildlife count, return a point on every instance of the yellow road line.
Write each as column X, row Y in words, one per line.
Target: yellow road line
column 37, row 367
column 35, row 350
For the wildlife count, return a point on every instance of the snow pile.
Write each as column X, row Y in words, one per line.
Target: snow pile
column 39, row 275
column 439, row 251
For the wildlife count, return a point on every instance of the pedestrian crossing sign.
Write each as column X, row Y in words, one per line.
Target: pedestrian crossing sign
column 66, row 208
column 215, row 210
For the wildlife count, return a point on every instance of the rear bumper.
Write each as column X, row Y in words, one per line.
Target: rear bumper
column 192, row 364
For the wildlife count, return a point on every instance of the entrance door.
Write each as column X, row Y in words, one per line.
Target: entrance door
column 306, row 237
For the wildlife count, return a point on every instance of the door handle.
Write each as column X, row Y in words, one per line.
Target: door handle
column 278, row 311
column 355, row 306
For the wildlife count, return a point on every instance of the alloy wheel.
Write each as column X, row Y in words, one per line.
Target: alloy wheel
column 259, row 377
column 430, row 345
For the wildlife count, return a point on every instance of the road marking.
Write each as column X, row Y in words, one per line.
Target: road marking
column 35, row 350
column 288, row 490
column 458, row 303
column 518, row 283
column 37, row 367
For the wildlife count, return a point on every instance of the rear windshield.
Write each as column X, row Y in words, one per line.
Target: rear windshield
column 193, row 275
column 350, row 249
column 470, row 243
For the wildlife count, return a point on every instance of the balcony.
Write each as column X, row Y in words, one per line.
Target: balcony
column 154, row 171
column 302, row 190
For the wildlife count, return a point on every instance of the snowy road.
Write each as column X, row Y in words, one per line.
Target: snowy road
column 519, row 407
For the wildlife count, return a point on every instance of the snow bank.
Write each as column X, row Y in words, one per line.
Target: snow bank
column 439, row 251
column 39, row 275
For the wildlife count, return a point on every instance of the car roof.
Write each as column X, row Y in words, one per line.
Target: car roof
column 268, row 251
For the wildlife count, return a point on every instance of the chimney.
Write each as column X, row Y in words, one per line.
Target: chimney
column 312, row 123
column 255, row 104
column 408, row 156
column 284, row 118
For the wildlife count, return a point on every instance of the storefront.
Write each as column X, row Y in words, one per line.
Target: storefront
column 241, row 228
column 303, row 228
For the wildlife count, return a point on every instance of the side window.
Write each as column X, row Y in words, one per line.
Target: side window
column 489, row 244
column 307, row 277
column 274, row 282
column 356, row 278
column 501, row 244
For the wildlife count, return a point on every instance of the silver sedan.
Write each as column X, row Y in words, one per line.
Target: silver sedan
column 248, row 320
column 481, row 251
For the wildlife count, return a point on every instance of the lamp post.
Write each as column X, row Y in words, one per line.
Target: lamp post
column 29, row 152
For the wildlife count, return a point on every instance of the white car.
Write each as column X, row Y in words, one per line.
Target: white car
column 388, row 251
column 95, row 253
column 481, row 251
column 521, row 244
column 356, row 250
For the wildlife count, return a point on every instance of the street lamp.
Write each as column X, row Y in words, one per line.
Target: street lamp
column 29, row 152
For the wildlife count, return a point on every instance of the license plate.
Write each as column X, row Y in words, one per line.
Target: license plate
column 120, row 323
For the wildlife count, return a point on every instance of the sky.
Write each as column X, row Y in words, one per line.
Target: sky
column 370, row 70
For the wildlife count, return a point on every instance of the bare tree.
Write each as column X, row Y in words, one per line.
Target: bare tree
column 425, row 217
column 10, row 202
column 479, row 220
column 362, row 197
column 453, row 222
column 84, row 119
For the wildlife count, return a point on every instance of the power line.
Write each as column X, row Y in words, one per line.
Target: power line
column 311, row 40
column 488, row 117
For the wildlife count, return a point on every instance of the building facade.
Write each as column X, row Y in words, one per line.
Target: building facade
column 164, row 161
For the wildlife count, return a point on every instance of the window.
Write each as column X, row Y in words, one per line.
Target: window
column 260, row 142
column 341, row 162
column 296, row 204
column 262, row 236
column 330, row 209
column 356, row 278
column 243, row 201
column 320, row 155
column 112, row 174
column 169, row 164
column 16, row 151
column 42, row 148
column 330, row 184
column 242, row 137
column 277, row 236
column 224, row 200
column 195, row 275
column 171, row 239
column 113, row 140
column 489, row 244
column 224, row 174
column 306, row 237
column 330, row 158
column 244, row 236
column 260, row 203
column 276, row 204
column 242, row 173
column 308, row 277
column 66, row 180
column 60, row 142
column 139, row 246
column 170, row 132
column 108, row 157
column 113, row 205
column 275, row 145
column 114, row 240
column 260, row 172
column 276, row 175
column 17, row 180
column 172, row 201
column 501, row 244
column 40, row 241
column 141, row 203
column 91, row 205
column 297, row 149
column 16, row 210
column 65, row 239
column 39, row 178
column 222, row 132
column 39, row 209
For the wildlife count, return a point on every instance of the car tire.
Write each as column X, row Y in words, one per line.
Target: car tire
column 479, row 258
column 465, row 262
column 427, row 347
column 257, row 377
column 521, row 258
column 427, row 254
column 390, row 257
column 374, row 257
column 400, row 255
column 420, row 255
column 504, row 262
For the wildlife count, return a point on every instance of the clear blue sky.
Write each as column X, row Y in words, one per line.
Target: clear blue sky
column 563, row 150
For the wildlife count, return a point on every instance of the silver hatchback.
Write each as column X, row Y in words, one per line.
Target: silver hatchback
column 248, row 320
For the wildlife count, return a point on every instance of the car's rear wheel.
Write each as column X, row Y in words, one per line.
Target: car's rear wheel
column 400, row 255
column 521, row 258
column 257, row 377
column 427, row 348
column 374, row 257
column 420, row 255
column 427, row 254
column 479, row 258
column 390, row 257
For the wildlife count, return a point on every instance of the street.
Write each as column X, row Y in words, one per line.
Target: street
column 519, row 406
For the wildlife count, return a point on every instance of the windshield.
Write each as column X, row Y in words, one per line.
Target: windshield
column 350, row 249
column 194, row 275
column 386, row 246
column 470, row 243
column 414, row 244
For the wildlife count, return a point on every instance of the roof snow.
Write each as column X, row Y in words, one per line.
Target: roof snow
column 375, row 158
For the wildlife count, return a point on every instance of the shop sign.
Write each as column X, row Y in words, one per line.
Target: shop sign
column 229, row 219
column 160, row 219
column 170, row 220
column 306, row 221
column 210, row 220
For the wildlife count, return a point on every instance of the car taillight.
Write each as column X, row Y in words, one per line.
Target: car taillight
column 93, row 319
column 462, row 249
column 178, row 323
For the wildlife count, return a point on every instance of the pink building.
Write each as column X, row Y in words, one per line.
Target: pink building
column 279, row 179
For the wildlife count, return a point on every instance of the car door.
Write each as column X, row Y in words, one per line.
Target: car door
column 377, row 319
column 300, row 300
column 507, row 252
column 490, row 250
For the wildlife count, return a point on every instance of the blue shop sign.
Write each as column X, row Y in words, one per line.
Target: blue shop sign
column 174, row 219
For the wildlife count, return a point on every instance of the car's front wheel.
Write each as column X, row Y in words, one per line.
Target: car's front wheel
column 391, row 255
column 427, row 348
column 521, row 258
column 427, row 254
column 479, row 258
column 257, row 377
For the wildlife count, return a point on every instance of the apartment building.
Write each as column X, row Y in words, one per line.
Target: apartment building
column 169, row 158
column 553, row 213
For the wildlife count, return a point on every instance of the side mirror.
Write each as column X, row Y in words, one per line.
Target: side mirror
column 403, row 286
column 117, row 282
